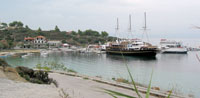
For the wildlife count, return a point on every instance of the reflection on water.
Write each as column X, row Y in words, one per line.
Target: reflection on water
column 174, row 56
column 181, row 70
column 129, row 58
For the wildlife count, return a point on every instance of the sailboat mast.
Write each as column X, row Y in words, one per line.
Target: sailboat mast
column 117, row 28
column 145, row 21
column 145, row 27
column 130, row 23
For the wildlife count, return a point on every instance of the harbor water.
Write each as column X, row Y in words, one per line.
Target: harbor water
column 180, row 72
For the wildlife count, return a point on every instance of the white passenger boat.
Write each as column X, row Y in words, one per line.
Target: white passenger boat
column 168, row 46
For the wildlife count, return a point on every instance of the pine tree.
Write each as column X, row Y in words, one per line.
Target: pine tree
column 57, row 29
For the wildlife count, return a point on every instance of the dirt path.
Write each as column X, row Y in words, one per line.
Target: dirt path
column 78, row 87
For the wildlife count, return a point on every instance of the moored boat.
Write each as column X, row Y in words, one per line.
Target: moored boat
column 134, row 47
column 168, row 46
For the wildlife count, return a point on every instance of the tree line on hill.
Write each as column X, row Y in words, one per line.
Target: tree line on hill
column 13, row 34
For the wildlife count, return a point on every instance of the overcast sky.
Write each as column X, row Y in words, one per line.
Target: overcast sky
column 165, row 18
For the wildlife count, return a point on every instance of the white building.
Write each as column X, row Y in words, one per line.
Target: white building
column 40, row 42
column 54, row 44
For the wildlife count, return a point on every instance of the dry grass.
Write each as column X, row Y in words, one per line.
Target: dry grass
column 62, row 94
column 122, row 80
column 156, row 88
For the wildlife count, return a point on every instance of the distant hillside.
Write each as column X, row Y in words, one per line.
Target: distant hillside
column 14, row 33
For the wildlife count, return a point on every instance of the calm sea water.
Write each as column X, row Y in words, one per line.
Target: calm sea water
column 178, row 71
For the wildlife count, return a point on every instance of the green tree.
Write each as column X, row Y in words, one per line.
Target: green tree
column 27, row 27
column 73, row 33
column 13, row 24
column 5, row 44
column 1, row 45
column 39, row 29
column 80, row 32
column 16, row 24
column 91, row 33
column 3, row 25
column 20, row 24
column 57, row 29
column 64, row 41
column 10, row 43
column 104, row 34
column 41, row 33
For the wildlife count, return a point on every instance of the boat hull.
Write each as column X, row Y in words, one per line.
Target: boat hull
column 175, row 50
column 133, row 53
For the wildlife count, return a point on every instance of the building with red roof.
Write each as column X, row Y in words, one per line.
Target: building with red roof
column 36, row 42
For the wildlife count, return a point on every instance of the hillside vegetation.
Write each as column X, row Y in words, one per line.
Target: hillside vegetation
column 13, row 34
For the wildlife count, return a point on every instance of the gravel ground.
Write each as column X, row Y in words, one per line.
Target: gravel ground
column 77, row 87
column 13, row 89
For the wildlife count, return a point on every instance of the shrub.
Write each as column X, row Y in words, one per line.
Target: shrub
column 122, row 80
column 24, row 71
column 39, row 76
column 33, row 80
column 3, row 63
column 85, row 78
column 71, row 70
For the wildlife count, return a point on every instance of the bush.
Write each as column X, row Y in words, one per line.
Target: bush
column 23, row 71
column 33, row 80
column 3, row 63
column 71, row 70
column 39, row 76
column 122, row 80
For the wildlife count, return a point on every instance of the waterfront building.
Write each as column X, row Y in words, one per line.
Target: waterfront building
column 37, row 42
column 28, row 42
column 54, row 44
column 40, row 42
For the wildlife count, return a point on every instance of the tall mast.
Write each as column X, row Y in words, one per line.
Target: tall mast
column 117, row 29
column 129, row 23
column 145, row 27
column 145, row 21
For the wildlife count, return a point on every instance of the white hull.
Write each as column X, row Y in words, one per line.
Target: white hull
column 174, row 50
